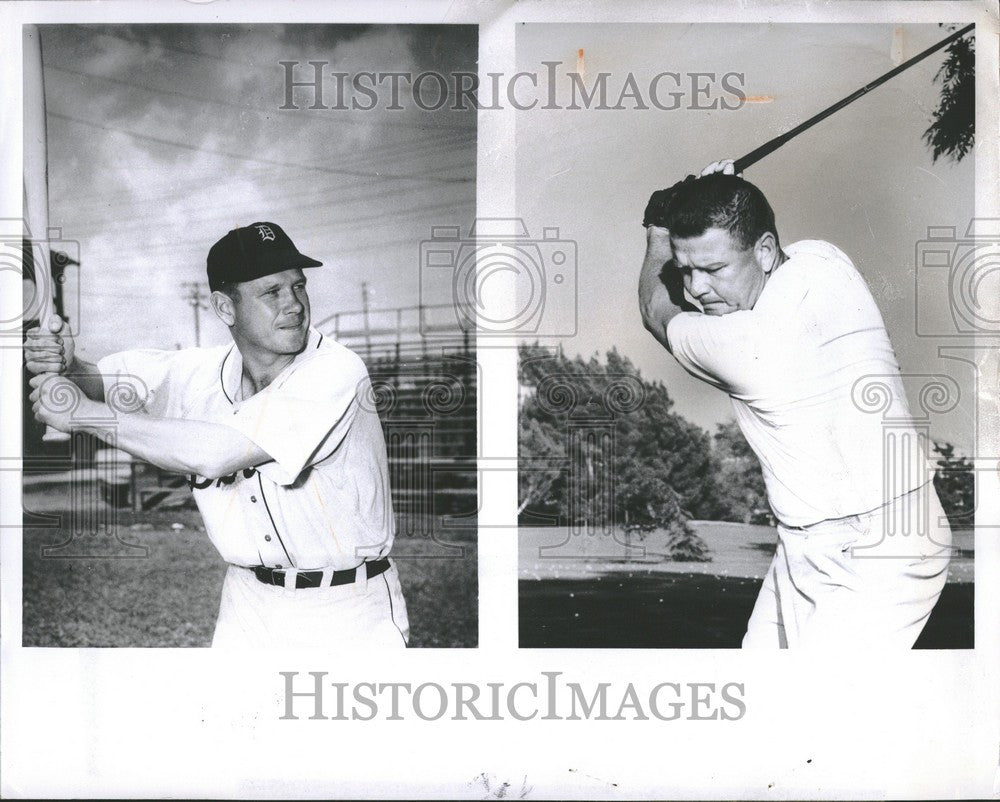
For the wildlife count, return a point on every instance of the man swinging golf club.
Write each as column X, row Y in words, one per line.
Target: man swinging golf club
column 790, row 333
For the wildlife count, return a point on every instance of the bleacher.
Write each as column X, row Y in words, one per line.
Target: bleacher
column 424, row 386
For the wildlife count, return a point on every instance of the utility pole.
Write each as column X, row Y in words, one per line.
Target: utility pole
column 196, row 299
column 364, row 308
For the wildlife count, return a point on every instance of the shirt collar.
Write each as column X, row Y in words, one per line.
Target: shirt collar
column 231, row 372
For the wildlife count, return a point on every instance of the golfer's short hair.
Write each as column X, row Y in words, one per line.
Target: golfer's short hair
column 721, row 201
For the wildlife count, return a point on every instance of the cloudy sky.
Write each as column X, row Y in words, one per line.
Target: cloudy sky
column 862, row 179
column 164, row 137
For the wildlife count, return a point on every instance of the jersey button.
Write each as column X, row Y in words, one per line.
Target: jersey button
column 253, row 499
column 267, row 538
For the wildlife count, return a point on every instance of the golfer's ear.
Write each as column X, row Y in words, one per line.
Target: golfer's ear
column 766, row 251
column 224, row 307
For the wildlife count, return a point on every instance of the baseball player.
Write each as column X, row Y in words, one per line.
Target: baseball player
column 282, row 444
column 789, row 332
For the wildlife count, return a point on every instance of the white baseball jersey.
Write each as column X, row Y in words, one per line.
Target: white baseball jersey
column 324, row 501
column 790, row 365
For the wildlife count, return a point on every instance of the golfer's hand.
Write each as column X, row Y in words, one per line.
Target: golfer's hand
column 659, row 201
column 49, row 351
column 724, row 166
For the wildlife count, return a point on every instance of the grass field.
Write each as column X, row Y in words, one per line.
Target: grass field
column 170, row 597
column 681, row 611
column 591, row 592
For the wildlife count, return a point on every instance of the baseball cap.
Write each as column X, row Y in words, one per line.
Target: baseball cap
column 254, row 251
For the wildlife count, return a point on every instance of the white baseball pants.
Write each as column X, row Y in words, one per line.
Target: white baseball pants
column 868, row 581
column 367, row 614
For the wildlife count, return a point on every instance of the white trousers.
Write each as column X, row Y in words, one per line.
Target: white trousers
column 368, row 614
column 867, row 581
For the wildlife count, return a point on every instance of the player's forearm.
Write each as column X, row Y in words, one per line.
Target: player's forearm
column 207, row 449
column 87, row 377
column 655, row 304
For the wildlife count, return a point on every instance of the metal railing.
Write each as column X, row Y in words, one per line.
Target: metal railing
column 423, row 329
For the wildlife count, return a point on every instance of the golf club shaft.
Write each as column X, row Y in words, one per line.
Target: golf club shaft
column 756, row 155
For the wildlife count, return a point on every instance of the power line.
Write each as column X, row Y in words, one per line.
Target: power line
column 344, row 193
column 332, row 199
column 140, row 222
column 332, row 118
column 274, row 162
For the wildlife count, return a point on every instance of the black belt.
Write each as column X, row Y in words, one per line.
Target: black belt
column 314, row 579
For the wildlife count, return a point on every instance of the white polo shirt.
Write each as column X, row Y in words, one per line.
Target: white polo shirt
column 790, row 365
column 324, row 500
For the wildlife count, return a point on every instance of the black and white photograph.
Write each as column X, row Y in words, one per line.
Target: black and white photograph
column 709, row 457
column 248, row 421
column 494, row 399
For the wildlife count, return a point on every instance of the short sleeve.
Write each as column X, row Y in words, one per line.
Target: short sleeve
column 722, row 350
column 150, row 379
column 306, row 416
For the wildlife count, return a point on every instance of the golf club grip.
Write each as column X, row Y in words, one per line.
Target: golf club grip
column 756, row 155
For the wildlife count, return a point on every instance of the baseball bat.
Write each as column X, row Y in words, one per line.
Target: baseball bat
column 756, row 155
column 36, row 189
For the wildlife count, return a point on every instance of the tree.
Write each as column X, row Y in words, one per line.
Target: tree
column 742, row 494
column 662, row 466
column 955, row 483
column 536, row 485
column 952, row 133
